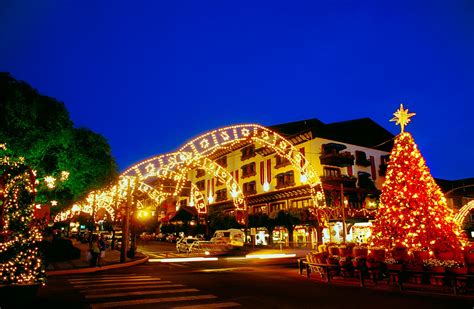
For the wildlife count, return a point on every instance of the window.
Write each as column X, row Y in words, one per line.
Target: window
column 274, row 207
column 331, row 172
column 222, row 161
column 361, row 158
column 249, row 188
column 201, row 185
column 383, row 165
column 305, row 203
column 259, row 209
column 200, row 173
column 221, row 195
column 285, row 179
column 248, row 152
column 248, row 170
column 281, row 161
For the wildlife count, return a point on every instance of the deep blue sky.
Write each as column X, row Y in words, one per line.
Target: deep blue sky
column 153, row 75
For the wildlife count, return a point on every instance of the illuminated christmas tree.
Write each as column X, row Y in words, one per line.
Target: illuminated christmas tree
column 20, row 261
column 413, row 211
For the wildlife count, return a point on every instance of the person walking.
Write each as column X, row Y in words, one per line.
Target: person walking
column 94, row 250
column 102, row 247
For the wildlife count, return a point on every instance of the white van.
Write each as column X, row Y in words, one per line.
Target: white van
column 234, row 237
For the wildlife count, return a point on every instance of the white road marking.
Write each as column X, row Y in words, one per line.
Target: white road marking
column 94, row 279
column 151, row 301
column 93, row 291
column 114, row 280
column 137, row 293
column 116, row 284
column 214, row 305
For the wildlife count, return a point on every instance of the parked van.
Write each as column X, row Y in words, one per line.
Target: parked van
column 234, row 237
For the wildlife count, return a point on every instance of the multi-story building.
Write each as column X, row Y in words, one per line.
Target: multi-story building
column 350, row 158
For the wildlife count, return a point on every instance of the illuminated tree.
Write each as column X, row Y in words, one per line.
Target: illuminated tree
column 20, row 260
column 413, row 211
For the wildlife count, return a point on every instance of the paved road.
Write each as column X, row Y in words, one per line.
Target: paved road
column 220, row 284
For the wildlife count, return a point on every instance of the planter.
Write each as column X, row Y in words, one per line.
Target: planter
column 444, row 255
column 394, row 266
column 400, row 254
column 470, row 257
column 373, row 265
column 378, row 254
column 345, row 264
column 332, row 261
column 333, row 250
column 18, row 294
column 437, row 269
column 345, row 251
column 414, row 267
column 421, row 255
column 458, row 270
column 358, row 263
column 360, row 251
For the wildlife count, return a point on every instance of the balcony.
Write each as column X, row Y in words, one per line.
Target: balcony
column 347, row 181
column 342, row 159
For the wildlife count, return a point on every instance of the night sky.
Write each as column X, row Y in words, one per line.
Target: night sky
column 151, row 75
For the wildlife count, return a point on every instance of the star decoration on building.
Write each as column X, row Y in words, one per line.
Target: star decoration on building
column 402, row 117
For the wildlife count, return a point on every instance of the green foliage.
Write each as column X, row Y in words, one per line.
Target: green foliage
column 38, row 128
column 221, row 221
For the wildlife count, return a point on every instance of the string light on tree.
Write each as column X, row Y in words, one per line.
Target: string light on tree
column 20, row 261
column 413, row 211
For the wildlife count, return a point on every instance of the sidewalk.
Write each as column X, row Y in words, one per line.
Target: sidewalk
column 82, row 265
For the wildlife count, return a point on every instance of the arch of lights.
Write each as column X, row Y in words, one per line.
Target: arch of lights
column 176, row 165
column 108, row 199
column 463, row 213
column 196, row 153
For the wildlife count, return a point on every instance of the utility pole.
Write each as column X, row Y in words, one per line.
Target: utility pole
column 126, row 224
column 343, row 215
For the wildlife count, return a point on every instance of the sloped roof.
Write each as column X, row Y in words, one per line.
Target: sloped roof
column 362, row 132
column 459, row 187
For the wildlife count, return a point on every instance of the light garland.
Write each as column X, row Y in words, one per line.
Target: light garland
column 413, row 211
column 20, row 261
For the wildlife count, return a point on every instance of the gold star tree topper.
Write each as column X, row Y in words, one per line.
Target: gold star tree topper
column 402, row 117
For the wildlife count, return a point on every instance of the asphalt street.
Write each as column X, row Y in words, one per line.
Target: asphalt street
column 225, row 282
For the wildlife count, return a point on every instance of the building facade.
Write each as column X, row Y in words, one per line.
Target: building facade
column 350, row 158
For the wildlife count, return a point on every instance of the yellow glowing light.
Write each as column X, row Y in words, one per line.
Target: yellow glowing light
column 303, row 178
column 64, row 175
column 266, row 186
column 50, row 181
column 402, row 117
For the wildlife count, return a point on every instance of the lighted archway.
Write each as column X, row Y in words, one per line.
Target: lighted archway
column 208, row 143
column 176, row 165
column 460, row 217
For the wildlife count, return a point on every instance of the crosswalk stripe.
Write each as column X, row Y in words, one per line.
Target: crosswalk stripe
column 100, row 285
column 205, row 306
column 94, row 279
column 151, row 301
column 115, row 280
column 137, row 293
column 99, row 275
column 93, row 291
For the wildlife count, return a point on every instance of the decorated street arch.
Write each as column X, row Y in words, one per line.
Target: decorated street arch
column 462, row 214
column 198, row 153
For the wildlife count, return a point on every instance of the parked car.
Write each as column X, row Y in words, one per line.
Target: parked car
column 184, row 244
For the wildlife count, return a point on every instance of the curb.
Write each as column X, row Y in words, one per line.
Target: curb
column 95, row 269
